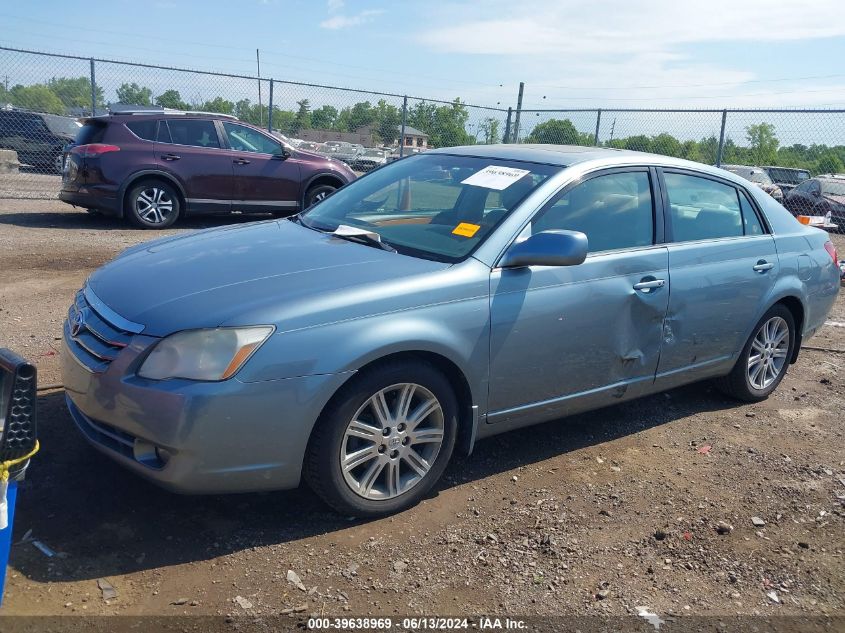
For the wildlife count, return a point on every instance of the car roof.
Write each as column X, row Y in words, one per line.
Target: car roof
column 569, row 155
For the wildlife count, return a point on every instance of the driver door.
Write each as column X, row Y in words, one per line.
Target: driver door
column 566, row 339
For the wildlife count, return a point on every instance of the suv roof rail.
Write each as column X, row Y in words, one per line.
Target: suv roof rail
column 134, row 109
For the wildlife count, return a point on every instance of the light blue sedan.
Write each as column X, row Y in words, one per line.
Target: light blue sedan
column 441, row 299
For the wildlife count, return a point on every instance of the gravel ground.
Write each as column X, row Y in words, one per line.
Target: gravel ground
column 684, row 502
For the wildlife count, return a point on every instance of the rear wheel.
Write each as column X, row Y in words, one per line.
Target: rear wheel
column 152, row 204
column 384, row 440
column 764, row 359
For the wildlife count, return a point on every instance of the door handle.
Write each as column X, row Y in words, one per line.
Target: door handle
column 762, row 266
column 241, row 161
column 170, row 157
column 649, row 285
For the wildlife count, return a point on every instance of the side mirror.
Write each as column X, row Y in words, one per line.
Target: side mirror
column 547, row 248
column 816, row 193
column 283, row 155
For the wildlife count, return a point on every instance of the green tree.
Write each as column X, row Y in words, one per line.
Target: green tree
column 667, row 145
column 171, row 99
column 388, row 118
column 763, row 143
column 829, row 164
column 133, row 94
column 303, row 116
column 75, row 92
column 37, row 97
column 218, row 105
column 490, row 128
column 324, row 118
column 558, row 131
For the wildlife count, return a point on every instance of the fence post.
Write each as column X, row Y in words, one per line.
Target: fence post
column 507, row 137
column 598, row 125
column 270, row 108
column 721, row 139
column 402, row 132
column 518, row 112
column 93, row 90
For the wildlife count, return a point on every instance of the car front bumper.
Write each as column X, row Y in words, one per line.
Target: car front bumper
column 195, row 437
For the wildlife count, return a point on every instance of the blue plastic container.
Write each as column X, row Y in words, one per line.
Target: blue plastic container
column 6, row 535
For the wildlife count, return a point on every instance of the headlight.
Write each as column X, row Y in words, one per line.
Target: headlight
column 213, row 354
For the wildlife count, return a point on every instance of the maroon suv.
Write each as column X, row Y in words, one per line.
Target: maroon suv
column 154, row 167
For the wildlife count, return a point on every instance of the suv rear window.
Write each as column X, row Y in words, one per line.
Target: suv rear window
column 143, row 129
column 193, row 132
column 91, row 132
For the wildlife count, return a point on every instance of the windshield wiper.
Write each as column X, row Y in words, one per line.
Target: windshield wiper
column 363, row 236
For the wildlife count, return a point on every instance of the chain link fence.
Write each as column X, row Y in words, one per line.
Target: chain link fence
column 43, row 94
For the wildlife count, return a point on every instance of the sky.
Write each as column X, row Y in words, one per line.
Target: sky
column 569, row 53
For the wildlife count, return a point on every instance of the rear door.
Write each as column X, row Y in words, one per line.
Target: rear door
column 722, row 263
column 266, row 177
column 191, row 150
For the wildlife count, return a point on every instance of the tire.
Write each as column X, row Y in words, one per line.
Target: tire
column 751, row 381
column 317, row 193
column 152, row 204
column 387, row 470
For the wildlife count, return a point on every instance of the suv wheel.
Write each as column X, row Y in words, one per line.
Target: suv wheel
column 384, row 440
column 317, row 193
column 152, row 204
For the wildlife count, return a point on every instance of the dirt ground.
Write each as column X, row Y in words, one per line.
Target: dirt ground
column 595, row 514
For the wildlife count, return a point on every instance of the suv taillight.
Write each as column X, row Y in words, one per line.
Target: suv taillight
column 831, row 250
column 94, row 149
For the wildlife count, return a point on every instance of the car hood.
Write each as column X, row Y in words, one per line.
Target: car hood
column 840, row 200
column 275, row 272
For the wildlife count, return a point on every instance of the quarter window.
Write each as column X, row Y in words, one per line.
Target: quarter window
column 246, row 139
column 702, row 209
column 749, row 216
column 614, row 211
column 193, row 132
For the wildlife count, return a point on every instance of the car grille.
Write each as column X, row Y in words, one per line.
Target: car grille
column 94, row 340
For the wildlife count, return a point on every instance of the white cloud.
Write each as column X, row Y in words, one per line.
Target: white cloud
column 346, row 21
column 335, row 5
column 588, row 53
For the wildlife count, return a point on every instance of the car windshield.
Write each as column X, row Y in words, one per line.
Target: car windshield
column 375, row 153
column 833, row 187
column 434, row 206
column 62, row 125
column 790, row 176
column 754, row 175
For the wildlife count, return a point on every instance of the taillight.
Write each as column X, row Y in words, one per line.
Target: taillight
column 831, row 250
column 94, row 149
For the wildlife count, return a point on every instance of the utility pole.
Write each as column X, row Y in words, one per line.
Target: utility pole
column 612, row 127
column 260, row 107
column 518, row 112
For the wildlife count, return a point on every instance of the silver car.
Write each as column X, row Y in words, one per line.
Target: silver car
column 437, row 301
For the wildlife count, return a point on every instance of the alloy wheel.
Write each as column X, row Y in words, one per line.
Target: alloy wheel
column 767, row 356
column 153, row 205
column 392, row 441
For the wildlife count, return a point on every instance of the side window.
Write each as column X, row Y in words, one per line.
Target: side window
column 163, row 135
column 614, row 211
column 804, row 187
column 749, row 216
column 702, row 209
column 246, row 139
column 143, row 129
column 193, row 132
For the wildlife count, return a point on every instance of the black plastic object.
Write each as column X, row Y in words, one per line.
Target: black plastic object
column 18, row 425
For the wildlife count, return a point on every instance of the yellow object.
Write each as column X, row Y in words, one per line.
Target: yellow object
column 5, row 466
column 804, row 219
column 466, row 229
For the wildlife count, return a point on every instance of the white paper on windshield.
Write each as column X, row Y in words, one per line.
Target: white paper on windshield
column 495, row 177
column 352, row 231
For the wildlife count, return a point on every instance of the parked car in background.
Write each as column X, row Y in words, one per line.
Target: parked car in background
column 39, row 139
column 370, row 159
column 309, row 146
column 152, row 168
column 759, row 177
column 787, row 178
column 349, row 153
column 410, row 313
column 819, row 196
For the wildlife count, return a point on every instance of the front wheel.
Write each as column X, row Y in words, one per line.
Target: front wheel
column 317, row 193
column 764, row 360
column 384, row 440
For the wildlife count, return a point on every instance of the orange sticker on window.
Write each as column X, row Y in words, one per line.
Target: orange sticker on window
column 466, row 229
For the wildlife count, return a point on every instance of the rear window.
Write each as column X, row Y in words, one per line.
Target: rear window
column 143, row 129
column 91, row 132
column 61, row 125
column 193, row 132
